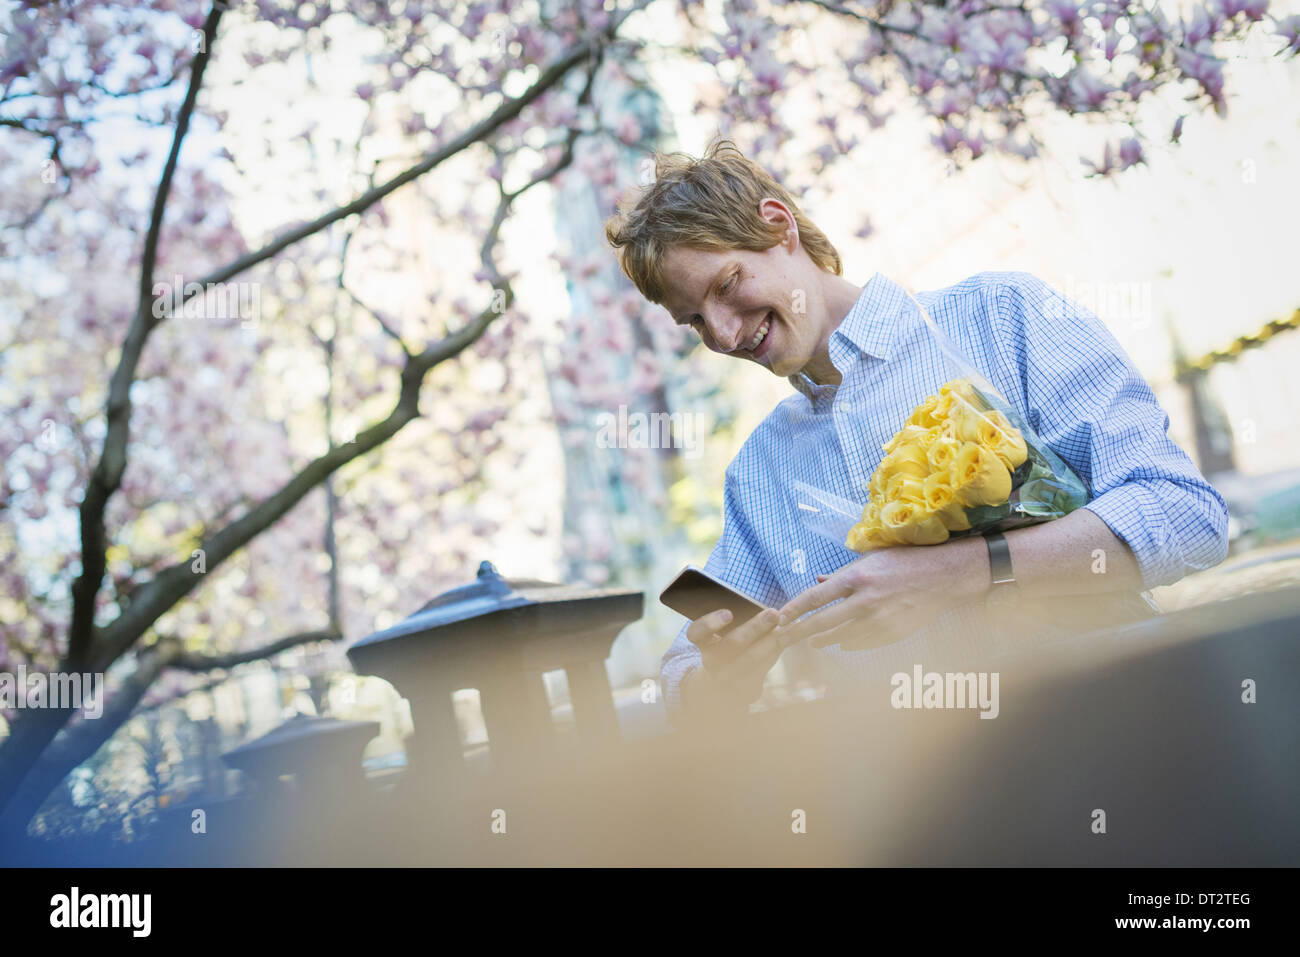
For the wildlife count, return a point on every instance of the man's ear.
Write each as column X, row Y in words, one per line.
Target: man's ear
column 775, row 211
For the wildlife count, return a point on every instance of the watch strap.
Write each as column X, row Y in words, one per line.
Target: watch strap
column 999, row 558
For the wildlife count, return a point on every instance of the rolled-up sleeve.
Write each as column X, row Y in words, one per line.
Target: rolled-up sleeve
column 1089, row 403
column 737, row 560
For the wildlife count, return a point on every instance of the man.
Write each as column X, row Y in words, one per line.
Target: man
column 726, row 250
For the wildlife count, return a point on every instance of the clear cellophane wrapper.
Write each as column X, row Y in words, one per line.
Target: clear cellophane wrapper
column 963, row 463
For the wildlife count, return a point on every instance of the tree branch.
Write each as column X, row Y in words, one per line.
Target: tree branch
column 80, row 743
column 388, row 330
column 186, row 661
column 154, row 598
column 107, row 477
column 503, row 114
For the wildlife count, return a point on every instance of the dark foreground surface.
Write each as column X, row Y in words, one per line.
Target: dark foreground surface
column 1132, row 747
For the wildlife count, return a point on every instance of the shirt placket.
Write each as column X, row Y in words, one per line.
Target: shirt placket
column 847, row 432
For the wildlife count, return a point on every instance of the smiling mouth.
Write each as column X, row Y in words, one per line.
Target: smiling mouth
column 760, row 335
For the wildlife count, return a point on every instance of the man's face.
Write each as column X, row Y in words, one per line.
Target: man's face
column 750, row 305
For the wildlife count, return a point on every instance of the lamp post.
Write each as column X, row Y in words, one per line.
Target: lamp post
column 499, row 636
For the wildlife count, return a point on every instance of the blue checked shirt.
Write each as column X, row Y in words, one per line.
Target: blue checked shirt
column 1053, row 361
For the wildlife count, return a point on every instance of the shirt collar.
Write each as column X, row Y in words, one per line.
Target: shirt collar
column 868, row 329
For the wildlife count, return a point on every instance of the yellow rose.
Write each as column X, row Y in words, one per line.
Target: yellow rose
column 862, row 538
column 943, row 403
column 966, row 421
column 908, row 433
column 879, row 538
column 857, row 538
column 923, row 415
column 1003, row 439
column 905, row 488
column 954, row 517
column 942, row 453
column 979, row 477
column 937, row 491
column 962, row 388
column 906, row 459
column 910, row 524
column 867, row 533
column 941, row 499
column 929, row 436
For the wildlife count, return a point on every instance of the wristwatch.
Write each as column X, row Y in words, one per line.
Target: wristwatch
column 1003, row 586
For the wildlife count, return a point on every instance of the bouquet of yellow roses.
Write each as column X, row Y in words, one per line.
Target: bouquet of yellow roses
column 962, row 464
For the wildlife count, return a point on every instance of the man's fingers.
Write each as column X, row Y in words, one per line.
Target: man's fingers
column 710, row 657
column 761, row 652
column 815, row 597
column 865, row 630
column 744, row 635
column 828, row 618
column 718, row 649
column 704, row 631
column 788, row 635
column 754, row 662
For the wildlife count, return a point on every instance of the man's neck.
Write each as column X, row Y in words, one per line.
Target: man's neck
column 839, row 296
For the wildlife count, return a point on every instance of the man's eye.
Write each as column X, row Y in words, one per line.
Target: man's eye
column 730, row 283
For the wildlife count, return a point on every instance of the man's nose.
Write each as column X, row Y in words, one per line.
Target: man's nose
column 725, row 327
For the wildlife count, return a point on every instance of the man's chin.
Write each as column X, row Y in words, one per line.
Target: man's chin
column 783, row 368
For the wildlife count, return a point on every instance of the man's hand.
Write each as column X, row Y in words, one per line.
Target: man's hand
column 888, row 594
column 735, row 663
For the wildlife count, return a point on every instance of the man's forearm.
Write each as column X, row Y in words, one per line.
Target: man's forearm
column 1073, row 555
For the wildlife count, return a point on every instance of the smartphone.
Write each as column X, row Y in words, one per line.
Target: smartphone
column 694, row 593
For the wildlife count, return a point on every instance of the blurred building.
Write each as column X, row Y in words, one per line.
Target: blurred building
column 617, row 516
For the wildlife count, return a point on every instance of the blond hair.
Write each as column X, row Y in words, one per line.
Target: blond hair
column 710, row 203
